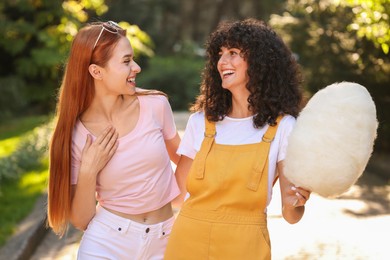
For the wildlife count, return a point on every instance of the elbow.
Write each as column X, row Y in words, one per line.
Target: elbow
column 176, row 159
column 178, row 201
column 79, row 223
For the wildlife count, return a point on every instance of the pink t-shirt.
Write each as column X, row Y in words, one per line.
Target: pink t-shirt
column 139, row 177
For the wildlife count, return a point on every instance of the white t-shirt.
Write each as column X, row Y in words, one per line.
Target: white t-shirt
column 237, row 131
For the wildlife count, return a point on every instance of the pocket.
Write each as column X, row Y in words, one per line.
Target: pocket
column 97, row 226
column 167, row 227
column 257, row 173
column 264, row 235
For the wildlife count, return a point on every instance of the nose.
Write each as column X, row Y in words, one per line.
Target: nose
column 135, row 67
column 223, row 59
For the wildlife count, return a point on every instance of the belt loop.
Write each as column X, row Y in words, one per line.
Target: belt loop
column 161, row 231
column 128, row 226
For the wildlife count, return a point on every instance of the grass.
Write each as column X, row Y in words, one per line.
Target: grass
column 18, row 196
column 18, row 199
column 19, row 126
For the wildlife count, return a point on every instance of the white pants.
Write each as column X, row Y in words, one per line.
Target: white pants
column 109, row 236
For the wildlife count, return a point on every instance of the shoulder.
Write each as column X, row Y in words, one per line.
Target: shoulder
column 152, row 93
column 286, row 125
column 287, row 121
column 153, row 98
column 196, row 118
column 195, row 122
column 79, row 135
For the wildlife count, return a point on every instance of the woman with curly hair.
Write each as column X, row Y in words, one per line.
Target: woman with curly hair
column 234, row 146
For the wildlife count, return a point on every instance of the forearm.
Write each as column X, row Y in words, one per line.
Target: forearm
column 83, row 203
column 183, row 191
column 293, row 198
column 172, row 146
column 181, row 174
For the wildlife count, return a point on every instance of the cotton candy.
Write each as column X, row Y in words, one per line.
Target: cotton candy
column 332, row 140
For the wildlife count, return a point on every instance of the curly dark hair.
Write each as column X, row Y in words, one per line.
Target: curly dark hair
column 274, row 75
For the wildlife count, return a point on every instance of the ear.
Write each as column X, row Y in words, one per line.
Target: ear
column 95, row 71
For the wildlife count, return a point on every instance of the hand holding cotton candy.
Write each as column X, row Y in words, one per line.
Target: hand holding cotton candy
column 332, row 140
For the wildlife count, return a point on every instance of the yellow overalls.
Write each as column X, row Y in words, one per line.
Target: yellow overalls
column 224, row 216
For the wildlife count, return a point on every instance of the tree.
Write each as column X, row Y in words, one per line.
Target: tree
column 330, row 49
column 371, row 21
column 36, row 37
column 183, row 26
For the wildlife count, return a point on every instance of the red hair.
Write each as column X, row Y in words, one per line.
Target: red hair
column 75, row 96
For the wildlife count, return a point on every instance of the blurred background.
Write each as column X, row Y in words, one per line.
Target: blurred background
column 333, row 40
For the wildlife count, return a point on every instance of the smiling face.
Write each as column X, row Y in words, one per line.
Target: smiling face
column 232, row 68
column 121, row 69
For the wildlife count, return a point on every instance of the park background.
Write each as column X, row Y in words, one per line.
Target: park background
column 333, row 41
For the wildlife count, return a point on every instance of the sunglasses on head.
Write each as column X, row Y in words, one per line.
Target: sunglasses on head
column 109, row 26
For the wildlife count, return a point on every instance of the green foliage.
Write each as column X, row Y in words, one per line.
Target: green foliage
column 20, row 126
column 12, row 131
column 177, row 76
column 8, row 146
column 33, row 47
column 24, row 172
column 140, row 41
column 157, row 17
column 320, row 34
column 29, row 153
column 372, row 21
column 36, row 36
column 12, row 98
column 17, row 198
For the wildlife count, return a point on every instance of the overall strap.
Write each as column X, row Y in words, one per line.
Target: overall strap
column 208, row 140
column 263, row 153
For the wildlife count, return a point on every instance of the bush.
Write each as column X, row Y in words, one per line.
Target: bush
column 29, row 153
column 177, row 76
column 12, row 98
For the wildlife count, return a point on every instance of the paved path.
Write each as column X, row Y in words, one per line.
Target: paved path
column 355, row 226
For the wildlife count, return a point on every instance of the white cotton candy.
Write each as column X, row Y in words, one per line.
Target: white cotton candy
column 333, row 139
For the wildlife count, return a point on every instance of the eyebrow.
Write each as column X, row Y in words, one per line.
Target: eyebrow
column 128, row 56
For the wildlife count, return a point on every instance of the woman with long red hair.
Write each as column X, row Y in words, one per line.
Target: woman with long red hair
column 110, row 154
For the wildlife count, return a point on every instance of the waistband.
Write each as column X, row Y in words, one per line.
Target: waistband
column 124, row 225
column 225, row 217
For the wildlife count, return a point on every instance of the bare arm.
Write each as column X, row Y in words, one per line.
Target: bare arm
column 181, row 173
column 172, row 145
column 293, row 198
column 94, row 157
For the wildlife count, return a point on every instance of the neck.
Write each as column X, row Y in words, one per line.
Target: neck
column 240, row 107
column 236, row 113
column 103, row 108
